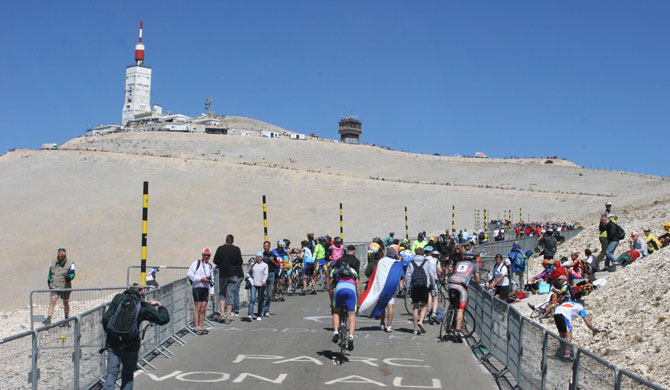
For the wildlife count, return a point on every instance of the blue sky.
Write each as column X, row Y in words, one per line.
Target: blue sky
column 588, row 81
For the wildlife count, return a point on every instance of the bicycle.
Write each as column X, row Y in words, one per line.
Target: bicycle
column 407, row 299
column 448, row 325
column 321, row 280
column 546, row 309
column 295, row 275
column 343, row 342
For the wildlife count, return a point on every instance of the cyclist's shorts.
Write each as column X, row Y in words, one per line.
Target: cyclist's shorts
column 563, row 324
column 345, row 295
column 321, row 262
column 458, row 295
column 309, row 269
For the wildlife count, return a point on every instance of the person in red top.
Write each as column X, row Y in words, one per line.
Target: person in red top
column 518, row 232
column 527, row 231
column 557, row 271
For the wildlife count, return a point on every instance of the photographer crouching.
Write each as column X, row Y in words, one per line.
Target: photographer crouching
column 122, row 322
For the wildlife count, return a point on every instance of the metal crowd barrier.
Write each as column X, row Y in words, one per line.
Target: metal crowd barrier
column 65, row 354
column 533, row 356
column 80, row 300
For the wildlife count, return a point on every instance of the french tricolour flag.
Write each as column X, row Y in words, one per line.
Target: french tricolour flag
column 382, row 287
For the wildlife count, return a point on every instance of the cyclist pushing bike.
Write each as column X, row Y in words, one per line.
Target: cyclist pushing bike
column 458, row 287
column 345, row 289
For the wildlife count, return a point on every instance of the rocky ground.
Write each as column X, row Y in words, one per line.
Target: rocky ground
column 632, row 307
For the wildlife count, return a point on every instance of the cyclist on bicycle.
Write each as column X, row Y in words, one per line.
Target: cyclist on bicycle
column 345, row 290
column 309, row 267
column 282, row 256
column 320, row 258
column 458, row 287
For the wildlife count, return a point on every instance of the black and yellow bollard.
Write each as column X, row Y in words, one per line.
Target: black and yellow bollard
column 265, row 219
column 406, row 225
column 145, row 215
column 341, row 224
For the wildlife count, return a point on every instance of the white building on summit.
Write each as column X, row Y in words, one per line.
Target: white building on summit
column 138, row 86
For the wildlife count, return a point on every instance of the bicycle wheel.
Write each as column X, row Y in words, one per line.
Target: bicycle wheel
column 468, row 327
column 539, row 309
column 408, row 301
column 444, row 296
column 344, row 335
column 447, row 323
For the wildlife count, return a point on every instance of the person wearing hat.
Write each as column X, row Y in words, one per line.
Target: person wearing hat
column 638, row 244
column 257, row 276
column 201, row 275
column 653, row 244
column 61, row 274
column 122, row 354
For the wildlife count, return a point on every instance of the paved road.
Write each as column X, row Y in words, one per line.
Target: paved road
column 292, row 350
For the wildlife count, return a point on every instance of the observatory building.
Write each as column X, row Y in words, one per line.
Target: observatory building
column 138, row 86
column 350, row 130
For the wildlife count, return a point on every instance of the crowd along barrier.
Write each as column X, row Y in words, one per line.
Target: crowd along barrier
column 533, row 356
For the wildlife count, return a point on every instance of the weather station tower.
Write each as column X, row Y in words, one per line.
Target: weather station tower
column 138, row 86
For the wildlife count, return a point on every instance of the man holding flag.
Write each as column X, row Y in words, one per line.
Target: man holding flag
column 382, row 288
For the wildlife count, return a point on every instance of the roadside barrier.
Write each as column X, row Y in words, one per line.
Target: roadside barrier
column 80, row 300
column 533, row 356
column 65, row 354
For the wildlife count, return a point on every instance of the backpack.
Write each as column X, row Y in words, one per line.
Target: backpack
column 519, row 261
column 620, row 233
column 124, row 324
column 419, row 277
column 345, row 271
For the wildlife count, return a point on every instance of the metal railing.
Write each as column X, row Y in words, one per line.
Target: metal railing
column 80, row 300
column 533, row 356
column 66, row 354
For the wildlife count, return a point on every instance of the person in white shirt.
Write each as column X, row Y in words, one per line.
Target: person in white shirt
column 500, row 278
column 257, row 276
column 201, row 275
column 563, row 317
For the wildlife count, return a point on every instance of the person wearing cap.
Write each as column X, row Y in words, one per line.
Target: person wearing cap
column 257, row 276
column 638, row 244
column 228, row 259
column 653, row 244
column 122, row 354
column 201, row 275
column 61, row 274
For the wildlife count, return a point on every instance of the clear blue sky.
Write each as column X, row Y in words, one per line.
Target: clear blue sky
column 588, row 81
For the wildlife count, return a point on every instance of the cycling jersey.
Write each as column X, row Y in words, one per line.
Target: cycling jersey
column 569, row 311
column 345, row 290
column 320, row 254
column 279, row 256
column 463, row 273
column 337, row 252
column 307, row 256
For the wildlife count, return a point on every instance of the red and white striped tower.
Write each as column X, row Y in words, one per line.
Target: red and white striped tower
column 138, row 86
column 139, row 49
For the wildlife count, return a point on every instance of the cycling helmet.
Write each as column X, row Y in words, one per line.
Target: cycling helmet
column 322, row 239
column 287, row 242
column 337, row 240
column 373, row 247
column 469, row 256
column 206, row 251
column 428, row 249
column 281, row 244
